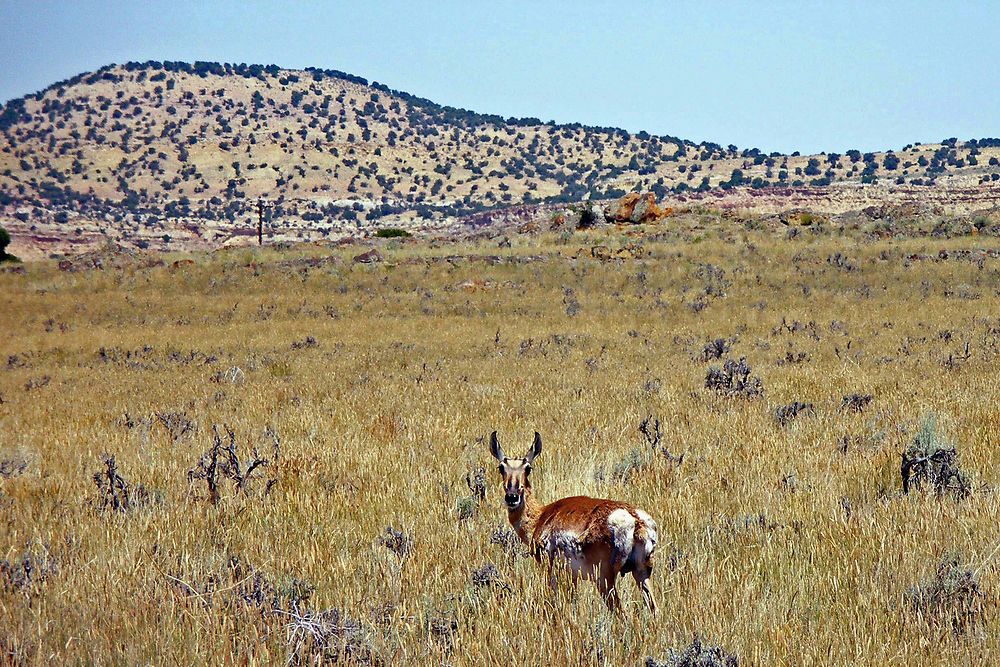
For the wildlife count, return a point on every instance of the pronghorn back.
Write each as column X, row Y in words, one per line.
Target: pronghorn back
column 583, row 523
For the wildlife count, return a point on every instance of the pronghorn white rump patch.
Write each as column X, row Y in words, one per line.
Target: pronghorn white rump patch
column 621, row 526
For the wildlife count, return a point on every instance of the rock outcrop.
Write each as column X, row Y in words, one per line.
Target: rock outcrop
column 634, row 208
column 373, row 256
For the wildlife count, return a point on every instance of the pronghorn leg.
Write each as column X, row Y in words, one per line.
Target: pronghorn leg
column 642, row 581
column 606, row 578
column 551, row 602
column 560, row 570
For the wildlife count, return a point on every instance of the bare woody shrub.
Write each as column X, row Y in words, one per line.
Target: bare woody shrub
column 855, row 402
column 467, row 506
column 114, row 491
column 696, row 654
column 735, row 379
column 715, row 349
column 786, row 413
column 441, row 627
column 509, row 544
column 640, row 458
column 932, row 462
column 397, row 542
column 327, row 637
column 652, row 432
column 178, row 424
column 950, row 598
column 305, row 343
column 486, row 576
column 238, row 584
column 26, row 573
column 222, row 461
column 475, row 479
column 13, row 466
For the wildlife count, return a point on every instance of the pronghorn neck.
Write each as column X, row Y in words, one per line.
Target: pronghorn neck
column 523, row 519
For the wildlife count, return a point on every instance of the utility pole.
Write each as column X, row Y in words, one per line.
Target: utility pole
column 260, row 221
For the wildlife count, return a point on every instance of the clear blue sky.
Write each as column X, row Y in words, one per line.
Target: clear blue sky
column 785, row 76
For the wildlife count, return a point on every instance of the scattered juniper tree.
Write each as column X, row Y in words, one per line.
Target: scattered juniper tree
column 4, row 242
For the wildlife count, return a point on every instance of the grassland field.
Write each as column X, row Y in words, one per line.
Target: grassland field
column 370, row 391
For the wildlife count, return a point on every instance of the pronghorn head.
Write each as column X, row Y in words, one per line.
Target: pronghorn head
column 514, row 472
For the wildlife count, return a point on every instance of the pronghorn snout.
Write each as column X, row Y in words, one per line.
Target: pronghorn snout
column 514, row 472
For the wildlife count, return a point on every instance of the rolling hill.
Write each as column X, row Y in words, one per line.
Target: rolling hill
column 172, row 154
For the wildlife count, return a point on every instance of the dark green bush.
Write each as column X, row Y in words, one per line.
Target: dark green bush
column 4, row 242
column 392, row 233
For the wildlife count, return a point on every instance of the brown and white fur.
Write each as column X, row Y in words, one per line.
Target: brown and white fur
column 594, row 538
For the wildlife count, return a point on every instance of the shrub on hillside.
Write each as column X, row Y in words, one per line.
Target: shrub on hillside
column 392, row 233
column 4, row 242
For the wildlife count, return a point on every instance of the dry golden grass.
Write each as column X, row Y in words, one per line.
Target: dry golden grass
column 777, row 543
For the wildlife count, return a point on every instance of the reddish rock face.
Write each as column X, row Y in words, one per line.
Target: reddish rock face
column 634, row 208
column 621, row 210
column 370, row 257
column 646, row 209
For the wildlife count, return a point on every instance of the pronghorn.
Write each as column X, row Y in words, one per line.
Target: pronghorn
column 598, row 539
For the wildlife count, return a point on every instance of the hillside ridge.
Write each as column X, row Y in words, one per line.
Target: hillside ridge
column 171, row 152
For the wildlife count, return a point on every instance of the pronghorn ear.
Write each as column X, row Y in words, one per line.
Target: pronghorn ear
column 536, row 448
column 495, row 447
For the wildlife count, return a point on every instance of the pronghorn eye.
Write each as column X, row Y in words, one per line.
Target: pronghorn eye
column 527, row 469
